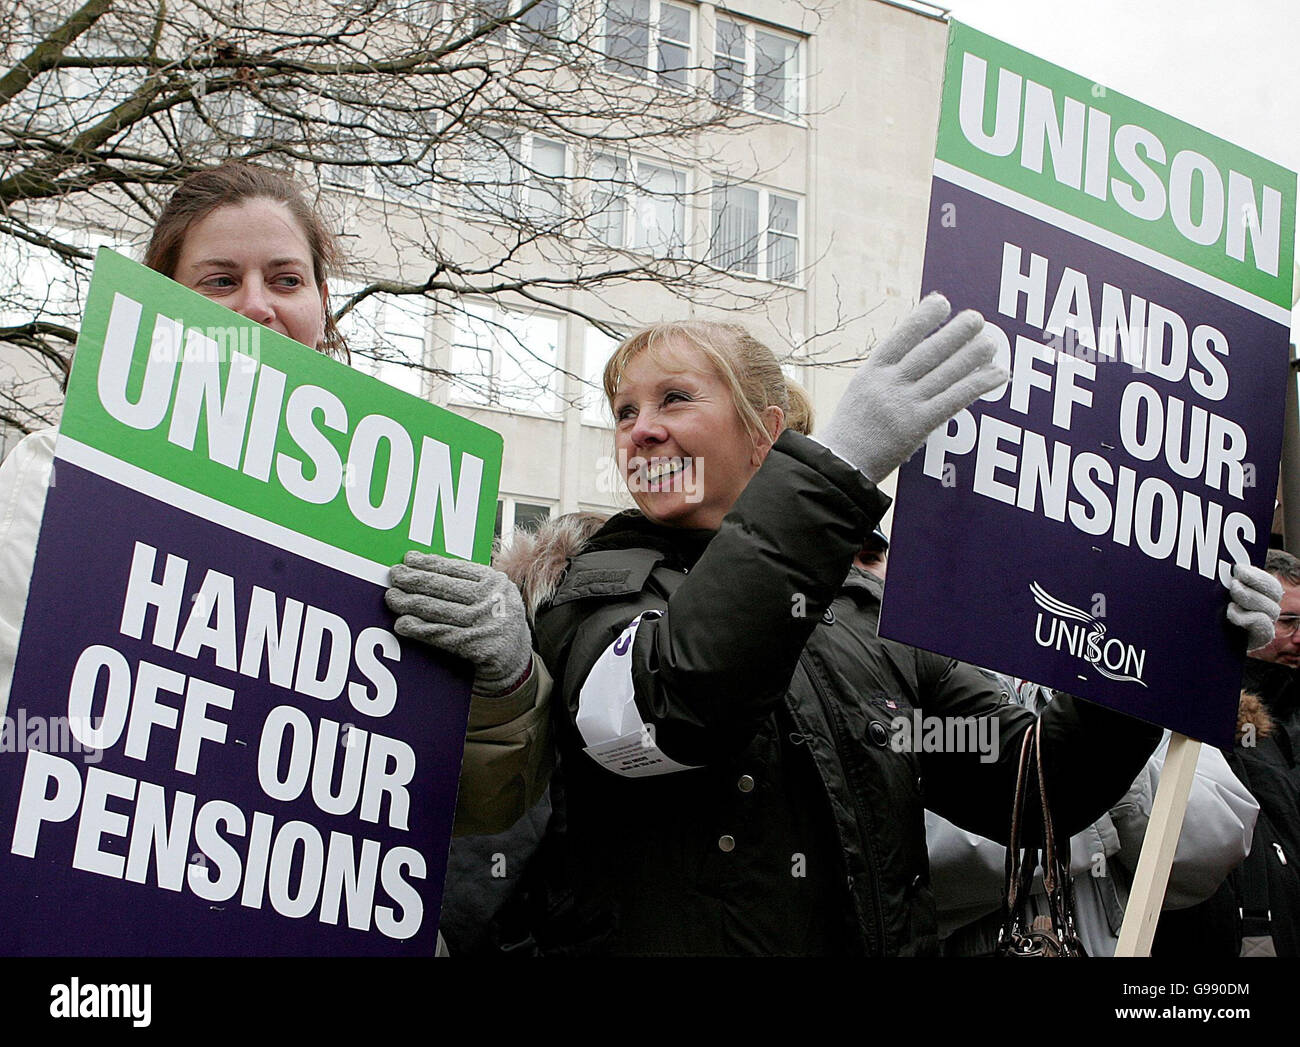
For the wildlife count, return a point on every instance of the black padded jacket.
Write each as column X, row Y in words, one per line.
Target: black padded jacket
column 799, row 828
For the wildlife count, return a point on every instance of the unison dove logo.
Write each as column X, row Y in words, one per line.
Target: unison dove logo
column 1067, row 628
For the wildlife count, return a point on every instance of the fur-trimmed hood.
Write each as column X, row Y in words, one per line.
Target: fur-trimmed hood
column 536, row 560
column 1251, row 710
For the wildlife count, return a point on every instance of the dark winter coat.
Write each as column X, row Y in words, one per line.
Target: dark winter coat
column 1278, row 687
column 799, row 829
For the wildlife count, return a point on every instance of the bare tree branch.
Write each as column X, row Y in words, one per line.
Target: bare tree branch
column 45, row 55
column 515, row 151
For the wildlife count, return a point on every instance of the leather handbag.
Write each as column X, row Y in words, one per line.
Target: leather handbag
column 1052, row 934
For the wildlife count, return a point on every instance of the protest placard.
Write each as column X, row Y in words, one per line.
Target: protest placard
column 217, row 744
column 1077, row 526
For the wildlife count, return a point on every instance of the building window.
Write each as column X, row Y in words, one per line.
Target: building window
column 510, row 176
column 341, row 169
column 512, row 514
column 649, row 39
column 208, row 122
column 352, row 149
column 37, row 285
column 539, row 25
column 410, row 182
column 69, row 96
column 503, row 358
column 597, row 348
column 388, row 336
column 544, row 177
column 360, row 148
column 756, row 68
column 639, row 205
column 756, row 232
column 490, row 173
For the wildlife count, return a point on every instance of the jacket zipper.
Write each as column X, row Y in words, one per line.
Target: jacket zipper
column 864, row 822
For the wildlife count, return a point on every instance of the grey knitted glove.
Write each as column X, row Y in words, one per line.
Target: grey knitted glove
column 1254, row 607
column 910, row 385
column 466, row 609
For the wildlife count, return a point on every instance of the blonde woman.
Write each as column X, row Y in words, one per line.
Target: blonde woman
column 723, row 701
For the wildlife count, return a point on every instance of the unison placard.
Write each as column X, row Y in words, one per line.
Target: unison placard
column 222, row 748
column 1077, row 527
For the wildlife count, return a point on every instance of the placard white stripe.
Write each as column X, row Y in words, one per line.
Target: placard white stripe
column 1072, row 224
column 208, row 508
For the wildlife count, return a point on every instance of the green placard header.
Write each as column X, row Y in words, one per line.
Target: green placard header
column 1078, row 146
column 173, row 383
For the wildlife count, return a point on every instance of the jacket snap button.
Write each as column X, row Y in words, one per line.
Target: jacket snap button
column 829, row 617
column 746, row 784
column 878, row 733
column 726, row 843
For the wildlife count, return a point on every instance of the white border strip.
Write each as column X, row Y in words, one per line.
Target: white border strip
column 204, row 507
column 1072, row 224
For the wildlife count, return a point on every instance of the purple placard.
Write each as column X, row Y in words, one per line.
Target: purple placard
column 983, row 571
column 109, row 853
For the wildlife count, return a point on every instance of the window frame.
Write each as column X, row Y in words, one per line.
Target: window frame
column 375, row 315
column 459, row 394
column 650, row 72
column 749, row 93
column 522, row 39
column 368, row 179
column 509, row 503
column 595, row 413
column 764, row 233
column 629, row 189
column 524, row 181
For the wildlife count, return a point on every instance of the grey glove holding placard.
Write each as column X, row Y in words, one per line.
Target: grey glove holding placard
column 465, row 609
column 913, row 382
column 1255, row 603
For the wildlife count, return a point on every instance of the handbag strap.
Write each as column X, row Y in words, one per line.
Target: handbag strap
column 1051, row 878
column 1056, row 871
column 1022, row 861
column 1018, row 865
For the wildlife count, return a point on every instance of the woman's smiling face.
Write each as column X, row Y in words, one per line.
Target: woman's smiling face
column 684, row 451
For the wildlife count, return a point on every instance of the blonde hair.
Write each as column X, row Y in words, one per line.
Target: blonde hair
column 800, row 415
column 747, row 367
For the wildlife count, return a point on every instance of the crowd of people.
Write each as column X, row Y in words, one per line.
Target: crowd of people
column 680, row 728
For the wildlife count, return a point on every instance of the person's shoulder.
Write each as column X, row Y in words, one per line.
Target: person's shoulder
column 42, row 438
column 25, row 471
column 35, row 446
column 618, row 560
column 536, row 560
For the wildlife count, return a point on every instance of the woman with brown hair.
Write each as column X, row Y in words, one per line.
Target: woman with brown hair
column 246, row 237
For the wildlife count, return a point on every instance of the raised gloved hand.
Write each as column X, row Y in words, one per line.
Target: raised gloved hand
column 910, row 385
column 466, row 609
column 1254, row 606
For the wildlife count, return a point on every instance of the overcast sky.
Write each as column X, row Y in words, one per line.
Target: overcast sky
column 1231, row 67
